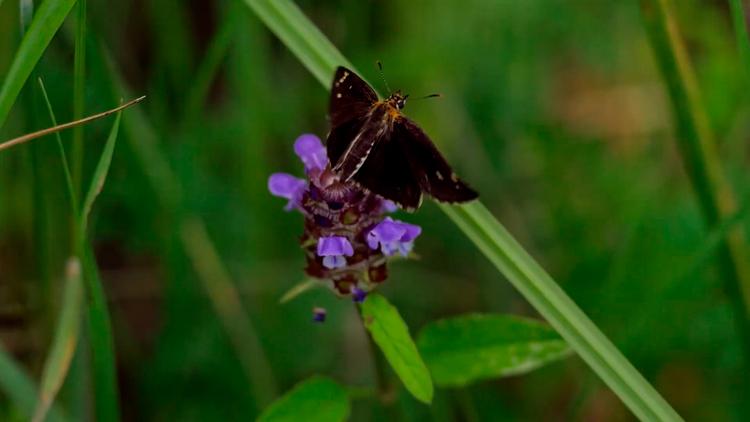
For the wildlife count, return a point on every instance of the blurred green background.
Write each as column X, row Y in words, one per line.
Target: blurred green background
column 554, row 110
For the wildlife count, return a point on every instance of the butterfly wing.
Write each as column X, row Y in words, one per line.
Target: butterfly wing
column 340, row 137
column 351, row 97
column 387, row 173
column 351, row 101
column 431, row 171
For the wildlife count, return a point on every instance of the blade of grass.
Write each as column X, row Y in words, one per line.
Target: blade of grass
column 47, row 131
column 100, row 326
column 226, row 302
column 20, row 388
column 168, row 191
column 301, row 37
column 321, row 57
column 64, row 344
column 63, row 159
column 209, row 66
column 45, row 24
column 700, row 156
column 739, row 21
column 79, row 87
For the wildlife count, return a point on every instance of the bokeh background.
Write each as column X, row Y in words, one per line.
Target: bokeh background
column 555, row 110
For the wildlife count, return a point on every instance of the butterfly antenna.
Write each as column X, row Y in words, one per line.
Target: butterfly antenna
column 428, row 96
column 382, row 76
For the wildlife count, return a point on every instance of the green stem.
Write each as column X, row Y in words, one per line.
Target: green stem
column 700, row 156
column 739, row 21
column 79, row 85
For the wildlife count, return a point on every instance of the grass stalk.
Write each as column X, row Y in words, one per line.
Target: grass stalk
column 48, row 18
column 79, row 91
column 199, row 248
column 228, row 306
column 739, row 22
column 699, row 152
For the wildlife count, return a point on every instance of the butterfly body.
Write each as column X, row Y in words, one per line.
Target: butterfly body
column 372, row 143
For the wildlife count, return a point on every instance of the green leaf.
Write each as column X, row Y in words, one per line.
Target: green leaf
column 392, row 336
column 470, row 348
column 45, row 24
column 100, row 326
column 100, row 175
column 19, row 388
column 66, row 339
column 315, row 399
column 301, row 37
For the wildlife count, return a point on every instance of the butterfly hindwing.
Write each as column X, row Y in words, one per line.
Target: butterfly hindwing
column 432, row 172
column 386, row 172
column 351, row 97
column 340, row 137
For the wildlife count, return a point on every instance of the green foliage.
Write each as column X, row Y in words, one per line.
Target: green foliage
column 100, row 325
column 315, row 399
column 391, row 335
column 554, row 110
column 46, row 22
column 66, row 339
column 471, row 348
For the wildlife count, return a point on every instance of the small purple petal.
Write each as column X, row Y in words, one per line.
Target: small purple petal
column 393, row 236
column 358, row 295
column 311, row 151
column 287, row 186
column 319, row 314
column 334, row 261
column 411, row 231
column 334, row 245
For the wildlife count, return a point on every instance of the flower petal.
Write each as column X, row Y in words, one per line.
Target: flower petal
column 334, row 261
column 334, row 245
column 285, row 185
column 311, row 151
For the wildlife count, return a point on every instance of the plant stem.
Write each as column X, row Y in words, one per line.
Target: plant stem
column 699, row 152
column 739, row 21
column 79, row 85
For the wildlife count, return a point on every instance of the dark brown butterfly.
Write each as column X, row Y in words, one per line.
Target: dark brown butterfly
column 372, row 143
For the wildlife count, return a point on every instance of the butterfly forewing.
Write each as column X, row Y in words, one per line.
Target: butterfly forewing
column 433, row 173
column 351, row 97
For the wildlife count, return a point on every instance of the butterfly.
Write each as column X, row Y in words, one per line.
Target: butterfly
column 372, row 143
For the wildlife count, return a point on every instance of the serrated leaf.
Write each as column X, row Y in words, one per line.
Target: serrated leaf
column 315, row 399
column 391, row 334
column 475, row 347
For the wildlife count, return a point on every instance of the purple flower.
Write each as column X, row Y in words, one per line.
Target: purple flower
column 358, row 295
column 287, row 186
column 333, row 249
column 311, row 151
column 341, row 218
column 393, row 236
column 319, row 314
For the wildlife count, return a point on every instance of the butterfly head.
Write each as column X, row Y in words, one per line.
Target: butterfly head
column 397, row 100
